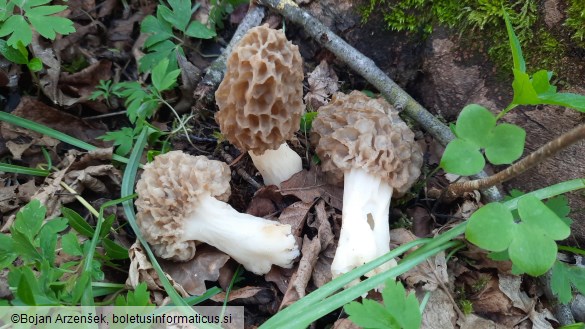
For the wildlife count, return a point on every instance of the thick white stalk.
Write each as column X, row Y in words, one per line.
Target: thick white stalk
column 365, row 231
column 277, row 166
column 254, row 242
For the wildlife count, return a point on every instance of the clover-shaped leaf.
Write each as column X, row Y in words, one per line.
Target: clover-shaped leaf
column 476, row 129
column 530, row 242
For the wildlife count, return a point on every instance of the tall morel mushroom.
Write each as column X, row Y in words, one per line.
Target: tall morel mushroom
column 375, row 155
column 182, row 202
column 260, row 101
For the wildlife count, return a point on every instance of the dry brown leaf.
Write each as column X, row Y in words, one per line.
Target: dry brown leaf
column 299, row 281
column 439, row 312
column 510, row 286
column 308, row 186
column 12, row 197
column 473, row 321
column 266, row 201
column 141, row 270
column 295, row 216
column 345, row 324
column 320, row 222
column 323, row 83
column 482, row 261
column 322, row 270
column 192, row 274
column 422, row 222
column 81, row 84
column 280, row 277
column 249, row 296
column 428, row 275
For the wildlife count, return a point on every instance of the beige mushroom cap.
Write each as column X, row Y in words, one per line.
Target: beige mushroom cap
column 260, row 99
column 168, row 190
column 355, row 131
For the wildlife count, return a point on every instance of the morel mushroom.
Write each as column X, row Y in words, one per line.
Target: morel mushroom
column 260, row 101
column 182, row 202
column 376, row 157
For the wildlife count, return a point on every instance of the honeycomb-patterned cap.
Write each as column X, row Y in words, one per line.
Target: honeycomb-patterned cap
column 355, row 131
column 260, row 99
column 168, row 190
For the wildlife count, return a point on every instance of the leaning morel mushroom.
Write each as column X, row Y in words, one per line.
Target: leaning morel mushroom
column 260, row 101
column 376, row 157
column 182, row 202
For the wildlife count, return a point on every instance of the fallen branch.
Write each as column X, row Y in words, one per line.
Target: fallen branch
column 544, row 152
column 203, row 93
column 361, row 64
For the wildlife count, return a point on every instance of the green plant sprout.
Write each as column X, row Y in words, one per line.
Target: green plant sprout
column 162, row 42
column 33, row 14
column 399, row 310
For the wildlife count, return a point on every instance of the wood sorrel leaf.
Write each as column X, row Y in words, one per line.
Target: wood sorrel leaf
column 531, row 251
column 462, row 158
column 535, row 213
column 506, row 144
column 475, row 124
column 491, row 227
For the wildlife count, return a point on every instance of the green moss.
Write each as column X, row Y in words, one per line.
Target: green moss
column 576, row 21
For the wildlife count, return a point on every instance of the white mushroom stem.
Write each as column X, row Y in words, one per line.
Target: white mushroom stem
column 254, row 242
column 277, row 166
column 365, row 231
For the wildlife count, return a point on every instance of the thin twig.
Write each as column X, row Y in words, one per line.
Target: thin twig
column 546, row 151
column 228, row 158
column 363, row 65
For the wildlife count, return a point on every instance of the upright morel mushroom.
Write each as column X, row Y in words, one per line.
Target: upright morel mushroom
column 181, row 202
column 260, row 101
column 363, row 142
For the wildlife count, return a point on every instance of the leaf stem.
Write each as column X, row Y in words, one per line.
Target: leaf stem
column 506, row 110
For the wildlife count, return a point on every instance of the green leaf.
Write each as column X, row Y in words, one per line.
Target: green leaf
column 48, row 26
column 560, row 282
column 48, row 238
column 475, row 124
column 114, row 250
column 399, row 310
column 307, row 121
column 406, row 311
column 77, row 222
column 541, row 83
column 30, row 218
column 18, row 29
column 158, row 29
column 70, row 244
column 35, row 65
column 27, row 287
column 197, row 30
column 123, row 139
column 532, row 251
column 506, row 144
column 491, row 227
column 370, row 314
column 534, row 212
column 107, row 225
column 24, row 247
column 180, row 15
column 12, row 54
column 81, row 284
column 462, row 158
column 162, row 79
column 519, row 63
column 158, row 52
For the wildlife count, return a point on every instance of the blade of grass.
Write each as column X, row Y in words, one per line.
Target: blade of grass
column 194, row 300
column 39, row 128
column 5, row 167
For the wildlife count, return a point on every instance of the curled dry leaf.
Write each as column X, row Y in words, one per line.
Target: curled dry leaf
column 482, row 261
column 192, row 274
column 428, row 275
column 473, row 321
column 309, row 185
column 299, row 281
column 81, row 84
column 12, row 197
column 295, row 215
column 439, row 312
column 141, row 270
column 265, row 202
column 323, row 83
